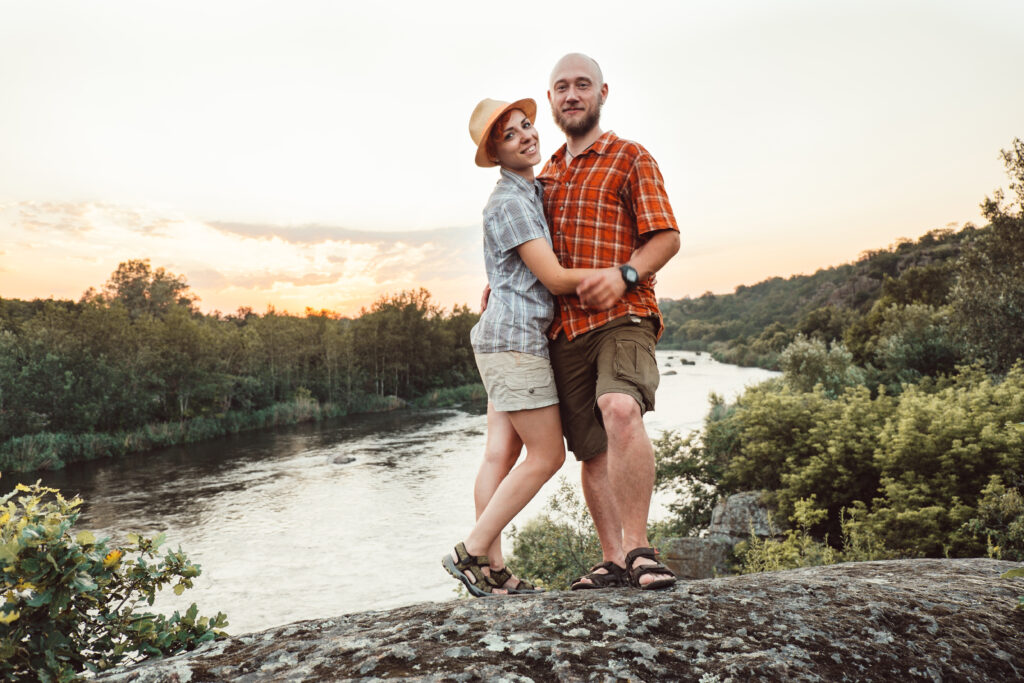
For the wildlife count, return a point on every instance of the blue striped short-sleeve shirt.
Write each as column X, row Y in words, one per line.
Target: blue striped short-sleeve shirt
column 520, row 308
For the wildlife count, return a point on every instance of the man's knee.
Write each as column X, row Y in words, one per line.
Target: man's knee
column 619, row 411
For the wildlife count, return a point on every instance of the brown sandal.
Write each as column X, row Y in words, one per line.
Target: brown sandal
column 642, row 570
column 614, row 578
column 482, row 586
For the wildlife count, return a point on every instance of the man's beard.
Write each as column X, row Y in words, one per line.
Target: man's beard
column 580, row 126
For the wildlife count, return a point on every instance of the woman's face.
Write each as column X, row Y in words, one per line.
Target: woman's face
column 518, row 147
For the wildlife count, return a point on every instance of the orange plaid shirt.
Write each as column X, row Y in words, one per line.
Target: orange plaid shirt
column 600, row 210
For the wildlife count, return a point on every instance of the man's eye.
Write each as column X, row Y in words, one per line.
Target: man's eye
column 527, row 124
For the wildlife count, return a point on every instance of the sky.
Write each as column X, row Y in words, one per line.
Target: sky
column 316, row 153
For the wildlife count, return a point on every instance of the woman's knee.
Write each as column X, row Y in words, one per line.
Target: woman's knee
column 502, row 454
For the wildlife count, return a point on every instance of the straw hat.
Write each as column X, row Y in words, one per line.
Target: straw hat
column 486, row 115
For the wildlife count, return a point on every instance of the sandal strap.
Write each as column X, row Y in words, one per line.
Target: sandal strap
column 613, row 577
column 474, row 564
column 635, row 572
column 502, row 576
column 465, row 560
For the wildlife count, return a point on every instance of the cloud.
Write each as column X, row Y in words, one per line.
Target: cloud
column 61, row 249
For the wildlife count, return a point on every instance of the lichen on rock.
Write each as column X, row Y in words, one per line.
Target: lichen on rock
column 871, row 621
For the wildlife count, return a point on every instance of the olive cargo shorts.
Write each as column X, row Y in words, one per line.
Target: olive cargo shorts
column 616, row 358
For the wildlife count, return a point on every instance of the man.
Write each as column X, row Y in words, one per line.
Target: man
column 605, row 201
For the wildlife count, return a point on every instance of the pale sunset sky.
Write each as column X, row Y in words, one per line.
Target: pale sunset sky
column 315, row 153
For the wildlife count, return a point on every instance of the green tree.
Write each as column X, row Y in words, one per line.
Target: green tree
column 142, row 290
column 988, row 299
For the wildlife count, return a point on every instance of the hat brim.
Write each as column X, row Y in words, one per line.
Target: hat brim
column 527, row 106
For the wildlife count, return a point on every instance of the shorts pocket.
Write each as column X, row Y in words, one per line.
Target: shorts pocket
column 635, row 363
column 525, row 380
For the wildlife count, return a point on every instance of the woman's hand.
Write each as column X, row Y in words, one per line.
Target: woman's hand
column 484, row 297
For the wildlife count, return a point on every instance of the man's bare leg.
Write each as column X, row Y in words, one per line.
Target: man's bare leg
column 601, row 503
column 630, row 471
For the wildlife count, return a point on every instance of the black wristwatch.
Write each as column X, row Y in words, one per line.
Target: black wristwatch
column 629, row 276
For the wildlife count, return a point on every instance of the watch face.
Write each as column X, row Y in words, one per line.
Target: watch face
column 630, row 275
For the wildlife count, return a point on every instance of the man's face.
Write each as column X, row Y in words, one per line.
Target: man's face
column 576, row 96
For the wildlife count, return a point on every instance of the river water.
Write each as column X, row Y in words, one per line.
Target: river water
column 284, row 534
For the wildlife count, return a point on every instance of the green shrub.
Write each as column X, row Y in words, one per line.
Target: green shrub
column 799, row 548
column 70, row 602
column 807, row 363
column 1000, row 521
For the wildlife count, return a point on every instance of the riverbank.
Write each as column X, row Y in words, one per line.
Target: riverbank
column 52, row 451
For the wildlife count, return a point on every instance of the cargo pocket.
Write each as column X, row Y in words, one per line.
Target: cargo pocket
column 528, row 381
column 635, row 363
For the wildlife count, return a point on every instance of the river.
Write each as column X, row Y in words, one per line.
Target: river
column 284, row 534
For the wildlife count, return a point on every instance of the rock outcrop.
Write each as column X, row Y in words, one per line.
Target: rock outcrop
column 897, row 620
column 732, row 520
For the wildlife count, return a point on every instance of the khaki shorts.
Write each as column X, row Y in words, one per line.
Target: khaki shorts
column 616, row 358
column 517, row 381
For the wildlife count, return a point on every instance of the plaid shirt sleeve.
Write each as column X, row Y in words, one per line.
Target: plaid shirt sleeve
column 646, row 196
column 515, row 223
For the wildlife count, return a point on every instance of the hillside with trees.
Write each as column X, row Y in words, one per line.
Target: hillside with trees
column 755, row 323
column 897, row 427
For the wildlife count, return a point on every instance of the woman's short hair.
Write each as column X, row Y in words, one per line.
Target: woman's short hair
column 497, row 130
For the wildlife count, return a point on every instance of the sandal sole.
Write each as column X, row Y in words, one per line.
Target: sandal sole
column 449, row 565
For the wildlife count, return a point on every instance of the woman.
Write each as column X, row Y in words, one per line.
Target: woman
column 510, row 345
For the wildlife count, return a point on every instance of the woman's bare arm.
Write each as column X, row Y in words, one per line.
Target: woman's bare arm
column 542, row 262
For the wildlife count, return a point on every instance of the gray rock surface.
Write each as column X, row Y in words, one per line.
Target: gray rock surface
column 732, row 521
column 739, row 515
column 899, row 620
column 697, row 558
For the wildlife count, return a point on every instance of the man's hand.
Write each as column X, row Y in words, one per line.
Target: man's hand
column 599, row 292
column 484, row 297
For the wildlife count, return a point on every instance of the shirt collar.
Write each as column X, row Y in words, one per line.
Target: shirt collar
column 599, row 146
column 519, row 181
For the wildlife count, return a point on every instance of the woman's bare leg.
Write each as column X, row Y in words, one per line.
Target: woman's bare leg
column 541, row 432
column 500, row 455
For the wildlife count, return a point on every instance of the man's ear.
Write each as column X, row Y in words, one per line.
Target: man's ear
column 549, row 97
column 604, row 92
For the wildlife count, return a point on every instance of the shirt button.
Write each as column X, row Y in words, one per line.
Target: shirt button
column 531, row 391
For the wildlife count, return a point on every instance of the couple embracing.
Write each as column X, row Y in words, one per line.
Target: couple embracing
column 579, row 362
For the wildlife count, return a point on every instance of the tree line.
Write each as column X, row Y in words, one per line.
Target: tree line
column 138, row 353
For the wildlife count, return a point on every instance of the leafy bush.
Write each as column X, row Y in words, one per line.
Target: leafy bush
column 70, row 601
column 808, row 362
column 1000, row 521
column 800, row 548
column 917, row 463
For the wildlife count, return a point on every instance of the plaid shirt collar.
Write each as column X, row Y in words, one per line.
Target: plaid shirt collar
column 520, row 182
column 598, row 146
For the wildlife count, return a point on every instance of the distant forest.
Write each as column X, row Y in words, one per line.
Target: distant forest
column 137, row 365
column 753, row 325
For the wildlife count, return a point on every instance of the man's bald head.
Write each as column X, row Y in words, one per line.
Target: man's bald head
column 575, row 62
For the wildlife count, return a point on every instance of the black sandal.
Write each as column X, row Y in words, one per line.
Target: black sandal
column 502, row 576
column 614, row 578
column 474, row 564
column 642, row 570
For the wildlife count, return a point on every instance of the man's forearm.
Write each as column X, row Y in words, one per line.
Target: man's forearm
column 655, row 253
